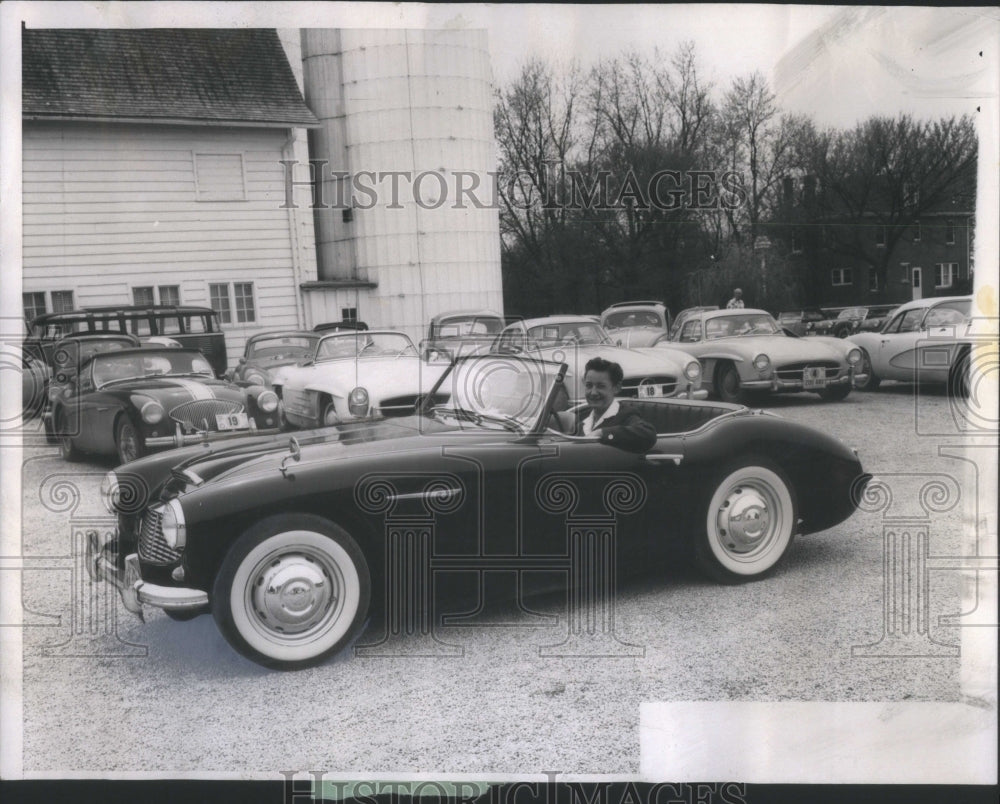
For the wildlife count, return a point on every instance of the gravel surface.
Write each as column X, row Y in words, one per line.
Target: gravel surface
column 192, row 704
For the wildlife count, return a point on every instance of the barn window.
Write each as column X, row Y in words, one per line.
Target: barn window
column 169, row 295
column 62, row 301
column 34, row 305
column 239, row 297
column 219, row 295
column 220, row 177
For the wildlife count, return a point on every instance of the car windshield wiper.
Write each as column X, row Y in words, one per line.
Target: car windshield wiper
column 477, row 418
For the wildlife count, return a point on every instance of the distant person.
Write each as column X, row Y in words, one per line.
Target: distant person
column 736, row 303
column 618, row 427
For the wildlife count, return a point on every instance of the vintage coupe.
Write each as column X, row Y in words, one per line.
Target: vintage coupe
column 746, row 350
column 355, row 375
column 266, row 352
column 460, row 332
column 636, row 323
column 133, row 401
column 290, row 542
column 925, row 341
column 576, row 339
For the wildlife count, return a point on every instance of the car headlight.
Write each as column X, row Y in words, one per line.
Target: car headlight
column 761, row 362
column 854, row 357
column 110, row 492
column 692, row 370
column 357, row 402
column 255, row 378
column 172, row 525
column 150, row 410
column 268, row 401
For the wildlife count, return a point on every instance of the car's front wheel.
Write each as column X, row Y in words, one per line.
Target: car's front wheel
column 291, row 591
column 128, row 441
column 727, row 384
column 749, row 523
column 872, row 381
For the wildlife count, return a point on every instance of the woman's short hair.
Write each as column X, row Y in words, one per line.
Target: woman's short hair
column 609, row 367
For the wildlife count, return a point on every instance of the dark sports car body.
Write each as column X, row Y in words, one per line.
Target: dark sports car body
column 134, row 401
column 268, row 351
column 289, row 541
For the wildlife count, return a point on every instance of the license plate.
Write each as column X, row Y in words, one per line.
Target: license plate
column 650, row 390
column 232, row 421
column 814, row 378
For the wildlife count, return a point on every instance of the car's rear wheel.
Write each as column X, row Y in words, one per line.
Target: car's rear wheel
column 727, row 384
column 293, row 590
column 128, row 440
column 872, row 381
column 960, row 375
column 67, row 449
column 835, row 393
column 749, row 523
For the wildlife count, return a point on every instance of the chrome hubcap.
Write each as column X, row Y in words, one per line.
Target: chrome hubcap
column 745, row 519
column 292, row 593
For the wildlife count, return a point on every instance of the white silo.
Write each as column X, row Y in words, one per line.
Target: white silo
column 410, row 109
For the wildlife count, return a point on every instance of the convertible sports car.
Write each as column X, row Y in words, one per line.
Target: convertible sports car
column 266, row 352
column 924, row 341
column 133, row 401
column 355, row 375
column 746, row 350
column 576, row 339
column 290, row 542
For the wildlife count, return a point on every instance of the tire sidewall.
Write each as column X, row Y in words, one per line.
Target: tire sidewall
column 140, row 448
column 711, row 557
column 720, row 384
column 873, row 381
column 287, row 532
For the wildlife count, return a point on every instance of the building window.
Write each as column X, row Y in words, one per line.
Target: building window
column 34, row 305
column 219, row 177
column 348, row 313
column 949, row 233
column 842, row 276
column 872, row 280
column 142, row 297
column 239, row 297
column 904, row 269
column 796, row 243
column 62, row 301
column 916, row 276
column 916, row 232
column 169, row 295
column 880, row 236
column 219, row 295
column 945, row 274
column 245, row 310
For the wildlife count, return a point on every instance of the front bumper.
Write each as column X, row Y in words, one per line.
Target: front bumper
column 775, row 383
column 182, row 439
column 102, row 565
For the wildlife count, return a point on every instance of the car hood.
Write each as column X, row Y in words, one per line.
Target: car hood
column 632, row 361
column 380, row 375
column 780, row 348
column 173, row 391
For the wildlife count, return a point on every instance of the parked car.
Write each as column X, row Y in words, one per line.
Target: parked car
column 577, row 339
column 266, row 352
column 685, row 314
column 802, row 322
column 745, row 350
column 855, row 319
column 636, row 323
column 925, row 341
column 193, row 327
column 354, row 375
column 460, row 332
column 134, row 401
column 287, row 542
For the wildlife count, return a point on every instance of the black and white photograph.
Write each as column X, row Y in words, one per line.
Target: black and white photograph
column 451, row 400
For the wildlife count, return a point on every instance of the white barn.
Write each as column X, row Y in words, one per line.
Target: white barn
column 152, row 170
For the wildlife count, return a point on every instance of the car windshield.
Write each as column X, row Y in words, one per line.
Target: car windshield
column 292, row 346
column 495, row 392
column 853, row 313
column 725, row 326
column 632, row 318
column 109, row 368
column 789, row 316
column 364, row 344
column 471, row 326
column 580, row 333
column 73, row 352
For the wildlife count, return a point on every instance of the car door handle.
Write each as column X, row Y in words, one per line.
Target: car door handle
column 662, row 457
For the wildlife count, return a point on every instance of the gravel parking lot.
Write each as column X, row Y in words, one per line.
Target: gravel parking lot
column 186, row 702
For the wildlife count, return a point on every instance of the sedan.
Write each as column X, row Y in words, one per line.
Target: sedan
column 577, row 339
column 134, row 401
column 289, row 544
column 927, row 340
column 354, row 375
column 746, row 350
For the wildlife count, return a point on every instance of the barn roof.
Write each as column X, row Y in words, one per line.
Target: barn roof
column 237, row 77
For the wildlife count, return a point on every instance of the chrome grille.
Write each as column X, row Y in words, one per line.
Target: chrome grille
column 152, row 547
column 200, row 414
column 630, row 385
column 793, row 371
